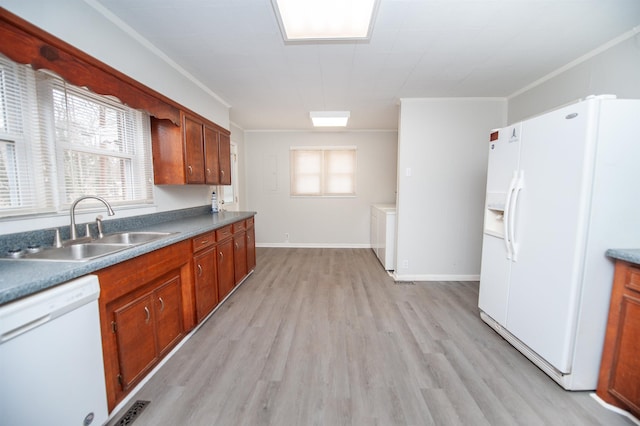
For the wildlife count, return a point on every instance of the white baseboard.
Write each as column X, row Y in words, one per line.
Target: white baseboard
column 434, row 277
column 314, row 245
column 616, row 409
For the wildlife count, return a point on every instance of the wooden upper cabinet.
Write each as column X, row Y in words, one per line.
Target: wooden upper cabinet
column 194, row 150
column 211, row 158
column 225, row 159
column 197, row 152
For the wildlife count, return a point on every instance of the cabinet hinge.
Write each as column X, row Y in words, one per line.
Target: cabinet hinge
column 114, row 327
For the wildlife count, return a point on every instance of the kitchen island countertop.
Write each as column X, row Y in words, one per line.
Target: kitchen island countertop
column 629, row 255
column 21, row 278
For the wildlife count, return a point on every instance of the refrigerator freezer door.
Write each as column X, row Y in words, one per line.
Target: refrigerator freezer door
column 503, row 159
column 550, row 223
column 494, row 274
column 494, row 279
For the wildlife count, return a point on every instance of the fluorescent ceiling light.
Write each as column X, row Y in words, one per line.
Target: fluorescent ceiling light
column 304, row 20
column 329, row 118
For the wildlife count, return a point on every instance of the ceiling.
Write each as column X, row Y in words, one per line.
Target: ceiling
column 418, row 48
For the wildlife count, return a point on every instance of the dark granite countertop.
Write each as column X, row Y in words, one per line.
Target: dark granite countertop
column 629, row 255
column 21, row 278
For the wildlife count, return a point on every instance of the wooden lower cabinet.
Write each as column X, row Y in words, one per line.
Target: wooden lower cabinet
column 205, row 273
column 149, row 303
column 146, row 327
column 168, row 314
column 240, row 256
column 619, row 380
column 146, row 308
column 226, row 268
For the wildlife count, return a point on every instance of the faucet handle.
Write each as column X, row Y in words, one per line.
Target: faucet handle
column 99, row 225
column 87, row 230
column 57, row 240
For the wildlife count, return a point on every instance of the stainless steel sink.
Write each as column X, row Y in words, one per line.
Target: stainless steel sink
column 130, row 238
column 87, row 250
column 75, row 252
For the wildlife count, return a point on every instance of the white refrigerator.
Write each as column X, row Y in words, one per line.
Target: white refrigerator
column 561, row 190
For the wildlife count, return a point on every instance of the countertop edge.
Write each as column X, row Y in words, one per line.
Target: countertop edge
column 628, row 255
column 22, row 278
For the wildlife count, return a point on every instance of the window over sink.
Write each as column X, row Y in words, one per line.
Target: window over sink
column 59, row 141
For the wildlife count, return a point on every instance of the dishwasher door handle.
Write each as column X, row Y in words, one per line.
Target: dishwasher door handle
column 24, row 328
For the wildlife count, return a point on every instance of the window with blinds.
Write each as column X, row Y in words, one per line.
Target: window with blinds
column 58, row 142
column 323, row 171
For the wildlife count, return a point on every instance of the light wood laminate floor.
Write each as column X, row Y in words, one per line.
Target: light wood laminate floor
column 325, row 337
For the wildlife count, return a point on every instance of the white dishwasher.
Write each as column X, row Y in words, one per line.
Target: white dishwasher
column 51, row 370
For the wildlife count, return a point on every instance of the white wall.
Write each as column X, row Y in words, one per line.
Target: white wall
column 444, row 143
column 86, row 26
column 318, row 222
column 613, row 70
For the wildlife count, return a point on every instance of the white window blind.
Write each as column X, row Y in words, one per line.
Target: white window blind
column 323, row 171
column 59, row 142
column 21, row 190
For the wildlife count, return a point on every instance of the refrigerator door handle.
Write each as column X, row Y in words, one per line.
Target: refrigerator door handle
column 519, row 184
column 507, row 214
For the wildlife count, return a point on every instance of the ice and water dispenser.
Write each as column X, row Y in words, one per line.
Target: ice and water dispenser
column 494, row 214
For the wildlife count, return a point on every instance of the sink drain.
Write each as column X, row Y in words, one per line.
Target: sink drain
column 132, row 413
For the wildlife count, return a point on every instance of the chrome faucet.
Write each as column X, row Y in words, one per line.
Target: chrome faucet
column 72, row 212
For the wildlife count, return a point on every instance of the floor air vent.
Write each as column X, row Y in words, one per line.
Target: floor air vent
column 132, row 413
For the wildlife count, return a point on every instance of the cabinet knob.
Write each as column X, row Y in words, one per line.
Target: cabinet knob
column 148, row 314
column 221, row 255
column 199, row 270
column 161, row 304
column 237, row 247
column 190, row 169
column 222, row 172
column 208, row 171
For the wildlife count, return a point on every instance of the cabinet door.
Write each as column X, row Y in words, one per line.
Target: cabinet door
column 624, row 381
column 224, row 159
column 225, row 268
column 135, row 336
column 211, row 166
column 619, row 380
column 168, row 312
column 240, row 256
column 206, row 282
column 251, row 248
column 194, row 154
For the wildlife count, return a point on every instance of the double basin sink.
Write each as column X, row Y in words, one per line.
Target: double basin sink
column 87, row 249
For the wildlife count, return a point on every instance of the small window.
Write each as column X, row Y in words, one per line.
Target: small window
column 323, row 171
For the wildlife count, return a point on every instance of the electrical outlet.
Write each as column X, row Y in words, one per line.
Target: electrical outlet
column 286, row 237
column 405, row 264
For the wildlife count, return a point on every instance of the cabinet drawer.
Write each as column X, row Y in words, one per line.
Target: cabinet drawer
column 239, row 226
column 250, row 222
column 203, row 241
column 223, row 233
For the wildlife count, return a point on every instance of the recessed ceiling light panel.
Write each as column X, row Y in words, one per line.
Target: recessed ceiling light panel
column 329, row 118
column 308, row 20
